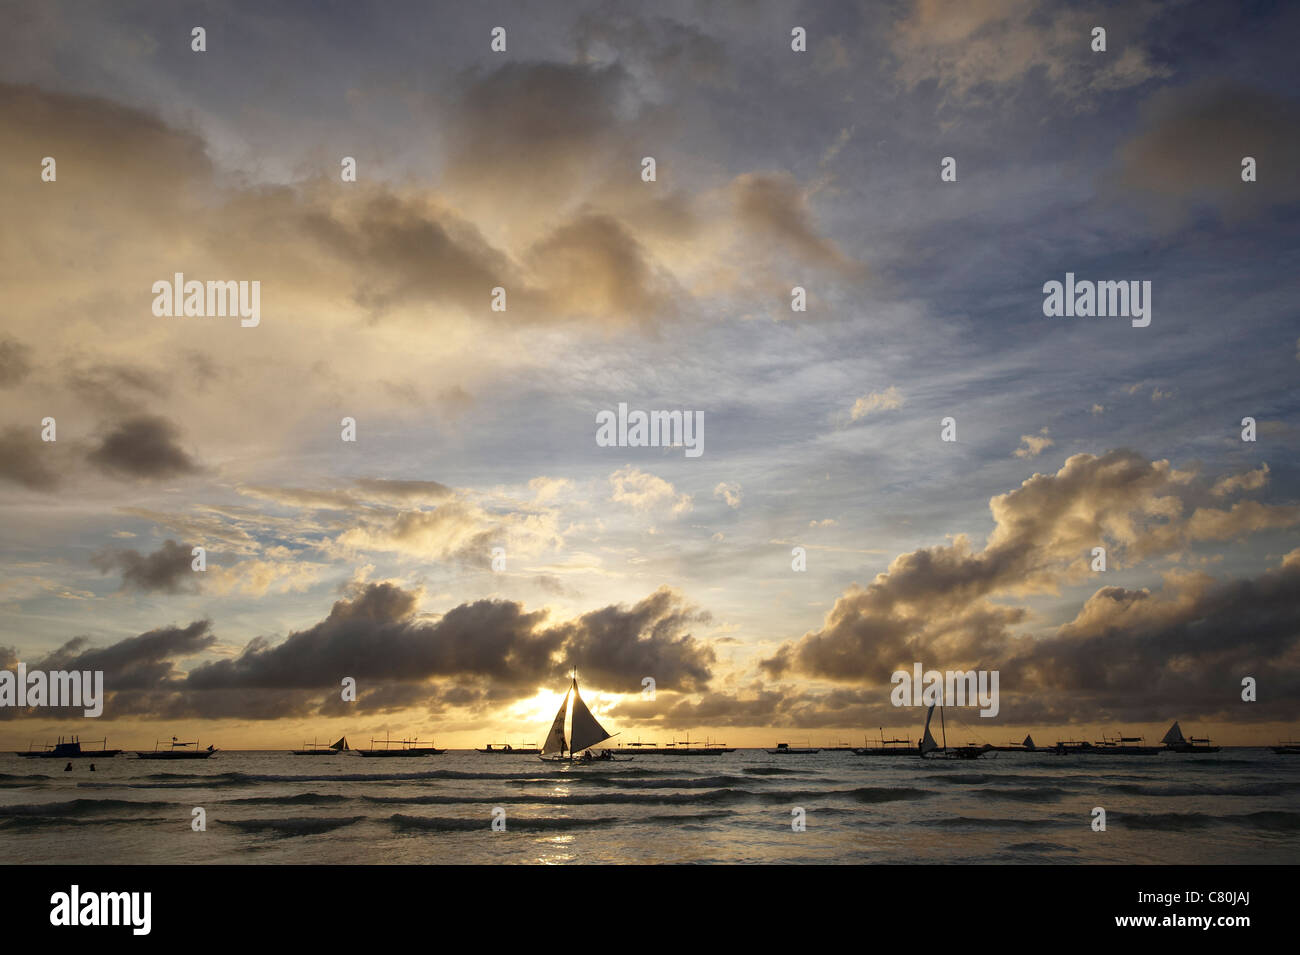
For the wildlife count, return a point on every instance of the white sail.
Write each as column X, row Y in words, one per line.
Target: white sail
column 927, row 741
column 1175, row 735
column 586, row 731
column 1028, row 743
column 555, row 738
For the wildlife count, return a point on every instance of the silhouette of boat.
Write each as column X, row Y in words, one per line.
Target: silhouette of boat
column 406, row 747
column 785, row 749
column 585, row 731
column 1175, row 743
column 1287, row 747
column 70, row 749
column 313, row 749
column 505, row 749
column 1124, row 746
column 177, row 750
column 928, row 744
column 887, row 747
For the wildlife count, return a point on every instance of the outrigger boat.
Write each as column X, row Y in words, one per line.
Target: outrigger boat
column 70, row 749
column 1024, row 746
column 1175, row 743
column 505, row 749
column 928, row 745
column 677, row 748
column 1287, row 747
column 887, row 747
column 407, row 747
column 785, row 749
column 313, row 749
column 1125, row 746
column 585, row 732
column 177, row 750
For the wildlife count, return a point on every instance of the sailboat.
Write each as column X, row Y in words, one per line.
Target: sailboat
column 312, row 749
column 929, row 745
column 584, row 731
column 1175, row 742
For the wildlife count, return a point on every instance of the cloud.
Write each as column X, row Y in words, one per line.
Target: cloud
column 27, row 460
column 987, row 49
column 890, row 399
column 15, row 363
column 1142, row 655
column 938, row 602
column 1189, row 151
column 1033, row 444
column 145, row 447
column 774, row 207
column 167, row 570
column 1246, row 481
column 592, row 267
column 730, row 492
column 145, row 662
column 643, row 491
column 486, row 651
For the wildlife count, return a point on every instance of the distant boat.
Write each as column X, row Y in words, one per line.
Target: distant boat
column 888, row 747
column 177, row 750
column 686, row 748
column 1287, row 747
column 70, row 749
column 1125, row 746
column 1175, row 742
column 676, row 748
column 313, row 749
column 785, row 749
column 1024, row 746
column 505, row 749
column 585, row 731
column 405, row 747
column 843, row 746
column 929, row 745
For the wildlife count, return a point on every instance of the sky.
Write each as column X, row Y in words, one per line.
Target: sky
column 774, row 169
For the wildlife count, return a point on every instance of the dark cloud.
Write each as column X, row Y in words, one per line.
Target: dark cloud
column 166, row 570
column 404, row 490
column 15, row 362
column 1132, row 652
column 145, row 447
column 27, row 460
column 488, row 652
column 1189, row 152
column 145, row 662
column 617, row 646
column 406, row 250
column 533, row 128
column 595, row 268
column 1183, row 649
column 115, row 388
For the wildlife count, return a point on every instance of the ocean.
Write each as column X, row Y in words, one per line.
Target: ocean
column 1236, row 806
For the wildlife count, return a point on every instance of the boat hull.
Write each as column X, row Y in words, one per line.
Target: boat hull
column 200, row 755
column 395, row 753
column 84, row 754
